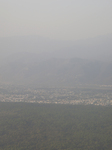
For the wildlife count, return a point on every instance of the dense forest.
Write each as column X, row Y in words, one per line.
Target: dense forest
column 29, row 126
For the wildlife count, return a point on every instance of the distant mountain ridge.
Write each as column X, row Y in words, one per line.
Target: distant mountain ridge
column 52, row 63
column 98, row 48
column 56, row 72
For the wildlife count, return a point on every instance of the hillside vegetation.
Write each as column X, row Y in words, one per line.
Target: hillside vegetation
column 26, row 126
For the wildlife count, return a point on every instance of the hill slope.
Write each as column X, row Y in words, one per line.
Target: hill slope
column 56, row 72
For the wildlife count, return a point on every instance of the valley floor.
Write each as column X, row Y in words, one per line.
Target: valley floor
column 79, row 95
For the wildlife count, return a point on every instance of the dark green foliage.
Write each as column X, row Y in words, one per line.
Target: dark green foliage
column 26, row 126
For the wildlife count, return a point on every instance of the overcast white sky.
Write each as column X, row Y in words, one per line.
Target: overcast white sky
column 58, row 19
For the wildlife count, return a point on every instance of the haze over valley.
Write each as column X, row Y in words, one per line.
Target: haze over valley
column 51, row 63
column 41, row 70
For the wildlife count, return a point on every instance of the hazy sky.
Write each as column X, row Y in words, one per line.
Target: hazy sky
column 58, row 19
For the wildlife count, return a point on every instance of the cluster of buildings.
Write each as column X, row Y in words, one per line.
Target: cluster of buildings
column 73, row 96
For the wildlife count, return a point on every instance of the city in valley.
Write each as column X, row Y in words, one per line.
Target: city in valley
column 98, row 95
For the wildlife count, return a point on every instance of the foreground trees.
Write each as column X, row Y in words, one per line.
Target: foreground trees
column 26, row 126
